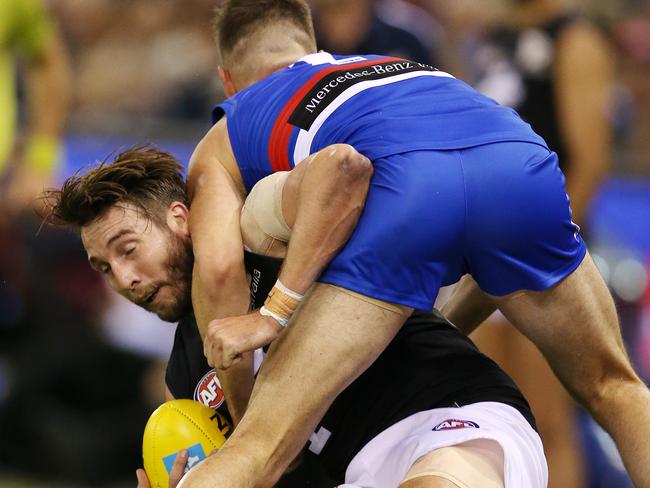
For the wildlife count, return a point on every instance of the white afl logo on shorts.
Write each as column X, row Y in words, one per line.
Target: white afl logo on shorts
column 208, row 391
column 453, row 424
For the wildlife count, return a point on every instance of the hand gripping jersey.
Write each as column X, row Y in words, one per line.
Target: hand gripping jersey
column 429, row 364
column 460, row 184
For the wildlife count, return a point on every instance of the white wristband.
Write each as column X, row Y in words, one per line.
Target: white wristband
column 267, row 313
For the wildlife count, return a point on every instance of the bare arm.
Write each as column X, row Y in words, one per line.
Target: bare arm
column 322, row 202
column 468, row 306
column 219, row 285
column 583, row 81
column 328, row 203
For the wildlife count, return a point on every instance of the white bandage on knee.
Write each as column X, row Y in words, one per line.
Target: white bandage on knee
column 262, row 220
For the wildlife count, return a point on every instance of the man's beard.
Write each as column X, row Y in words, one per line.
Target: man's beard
column 179, row 263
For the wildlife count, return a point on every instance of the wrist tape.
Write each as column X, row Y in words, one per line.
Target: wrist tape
column 281, row 303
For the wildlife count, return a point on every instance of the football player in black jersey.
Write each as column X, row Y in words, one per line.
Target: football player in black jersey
column 429, row 412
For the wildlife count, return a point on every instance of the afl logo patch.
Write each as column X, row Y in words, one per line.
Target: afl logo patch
column 208, row 391
column 453, row 424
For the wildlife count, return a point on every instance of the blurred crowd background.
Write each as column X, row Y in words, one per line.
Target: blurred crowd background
column 81, row 369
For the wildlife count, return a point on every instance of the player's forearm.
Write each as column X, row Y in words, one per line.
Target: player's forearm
column 218, row 292
column 233, row 299
column 330, row 201
column 237, row 384
column 468, row 306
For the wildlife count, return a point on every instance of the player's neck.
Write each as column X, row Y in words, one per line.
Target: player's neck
column 284, row 62
column 273, row 48
column 273, row 63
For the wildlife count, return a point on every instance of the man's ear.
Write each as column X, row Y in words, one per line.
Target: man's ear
column 178, row 219
column 226, row 79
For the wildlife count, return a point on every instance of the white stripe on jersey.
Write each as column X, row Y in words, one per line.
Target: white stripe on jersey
column 323, row 57
column 305, row 138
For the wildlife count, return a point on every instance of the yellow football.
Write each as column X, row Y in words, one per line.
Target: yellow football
column 178, row 425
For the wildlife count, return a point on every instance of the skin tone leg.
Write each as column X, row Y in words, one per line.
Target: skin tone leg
column 332, row 339
column 575, row 326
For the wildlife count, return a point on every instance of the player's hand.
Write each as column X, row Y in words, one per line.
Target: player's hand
column 226, row 339
column 143, row 480
column 175, row 475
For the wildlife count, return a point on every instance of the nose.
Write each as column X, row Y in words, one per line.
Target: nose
column 125, row 278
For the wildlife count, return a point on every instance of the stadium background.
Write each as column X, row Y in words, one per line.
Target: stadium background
column 81, row 369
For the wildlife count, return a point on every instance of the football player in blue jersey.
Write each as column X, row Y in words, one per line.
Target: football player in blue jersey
column 460, row 186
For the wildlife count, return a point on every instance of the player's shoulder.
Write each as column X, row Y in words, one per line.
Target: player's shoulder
column 201, row 155
column 212, row 158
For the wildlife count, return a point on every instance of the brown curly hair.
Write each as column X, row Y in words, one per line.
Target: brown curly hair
column 143, row 175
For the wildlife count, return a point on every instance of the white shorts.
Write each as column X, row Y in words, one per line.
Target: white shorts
column 385, row 460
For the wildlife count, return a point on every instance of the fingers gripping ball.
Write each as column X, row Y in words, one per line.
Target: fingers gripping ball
column 178, row 425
